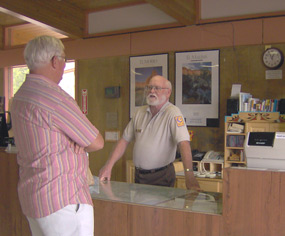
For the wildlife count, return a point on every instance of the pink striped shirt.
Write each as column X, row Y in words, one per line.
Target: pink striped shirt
column 47, row 124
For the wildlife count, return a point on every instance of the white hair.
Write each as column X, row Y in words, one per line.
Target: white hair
column 40, row 50
column 168, row 84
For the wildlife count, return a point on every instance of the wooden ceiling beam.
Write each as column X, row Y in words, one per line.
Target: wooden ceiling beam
column 60, row 16
column 184, row 11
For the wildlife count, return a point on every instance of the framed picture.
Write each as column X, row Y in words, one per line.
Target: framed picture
column 197, row 87
column 142, row 68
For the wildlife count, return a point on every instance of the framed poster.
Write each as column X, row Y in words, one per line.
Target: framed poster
column 197, row 87
column 142, row 68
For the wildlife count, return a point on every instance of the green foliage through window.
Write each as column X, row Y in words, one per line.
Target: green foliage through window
column 19, row 76
column 67, row 83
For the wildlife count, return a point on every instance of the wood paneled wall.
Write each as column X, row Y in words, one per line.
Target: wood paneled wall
column 95, row 75
column 104, row 61
column 240, row 64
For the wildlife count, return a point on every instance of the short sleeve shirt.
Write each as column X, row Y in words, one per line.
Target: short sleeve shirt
column 47, row 124
column 156, row 138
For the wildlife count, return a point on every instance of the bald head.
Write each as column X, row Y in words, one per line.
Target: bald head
column 165, row 83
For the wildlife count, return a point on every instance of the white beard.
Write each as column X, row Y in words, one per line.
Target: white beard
column 155, row 102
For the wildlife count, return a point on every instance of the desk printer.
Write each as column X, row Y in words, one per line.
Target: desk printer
column 265, row 150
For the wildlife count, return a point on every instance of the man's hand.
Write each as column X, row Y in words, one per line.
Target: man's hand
column 105, row 173
column 191, row 182
column 76, row 148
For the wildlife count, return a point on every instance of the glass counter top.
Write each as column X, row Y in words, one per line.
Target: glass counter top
column 158, row 196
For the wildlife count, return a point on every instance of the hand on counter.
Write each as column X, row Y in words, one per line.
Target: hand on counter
column 105, row 173
column 191, row 182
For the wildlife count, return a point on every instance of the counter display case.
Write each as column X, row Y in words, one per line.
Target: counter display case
column 252, row 205
column 158, row 196
column 206, row 184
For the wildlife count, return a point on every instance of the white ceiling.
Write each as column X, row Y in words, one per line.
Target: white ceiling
column 231, row 8
column 91, row 18
column 129, row 17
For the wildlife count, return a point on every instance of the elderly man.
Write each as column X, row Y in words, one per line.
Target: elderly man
column 157, row 129
column 52, row 137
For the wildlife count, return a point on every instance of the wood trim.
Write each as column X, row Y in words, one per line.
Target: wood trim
column 116, row 5
column 57, row 15
column 134, row 30
column 198, row 11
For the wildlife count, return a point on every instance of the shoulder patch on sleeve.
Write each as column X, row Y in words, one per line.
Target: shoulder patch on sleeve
column 179, row 121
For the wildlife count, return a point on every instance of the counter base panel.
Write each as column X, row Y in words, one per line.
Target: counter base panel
column 117, row 219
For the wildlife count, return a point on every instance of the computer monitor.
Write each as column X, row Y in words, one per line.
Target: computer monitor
column 3, row 129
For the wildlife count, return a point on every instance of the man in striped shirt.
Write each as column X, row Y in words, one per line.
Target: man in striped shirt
column 53, row 137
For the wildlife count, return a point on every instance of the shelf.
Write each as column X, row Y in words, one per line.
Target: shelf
column 237, row 162
column 252, row 122
column 235, row 133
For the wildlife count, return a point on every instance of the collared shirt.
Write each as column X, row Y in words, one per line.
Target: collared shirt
column 156, row 138
column 47, row 123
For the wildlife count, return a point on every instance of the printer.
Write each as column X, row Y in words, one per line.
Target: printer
column 265, row 150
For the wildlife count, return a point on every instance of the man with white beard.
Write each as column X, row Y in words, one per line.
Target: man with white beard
column 157, row 129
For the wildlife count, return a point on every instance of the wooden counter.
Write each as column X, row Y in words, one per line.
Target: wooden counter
column 253, row 205
column 253, row 202
column 120, row 219
column 12, row 220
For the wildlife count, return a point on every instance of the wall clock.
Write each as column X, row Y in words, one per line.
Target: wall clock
column 273, row 58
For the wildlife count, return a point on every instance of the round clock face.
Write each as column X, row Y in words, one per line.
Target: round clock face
column 273, row 58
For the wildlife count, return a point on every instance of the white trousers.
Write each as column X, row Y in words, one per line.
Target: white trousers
column 72, row 220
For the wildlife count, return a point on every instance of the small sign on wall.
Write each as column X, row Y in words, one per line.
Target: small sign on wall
column 273, row 74
column 112, row 136
column 84, row 99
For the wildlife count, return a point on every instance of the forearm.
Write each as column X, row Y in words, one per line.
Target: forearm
column 190, row 180
column 96, row 145
column 186, row 155
column 117, row 152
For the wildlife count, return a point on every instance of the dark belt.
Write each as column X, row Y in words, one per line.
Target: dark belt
column 142, row 171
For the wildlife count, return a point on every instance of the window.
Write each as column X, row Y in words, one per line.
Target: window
column 68, row 79
column 67, row 83
column 19, row 75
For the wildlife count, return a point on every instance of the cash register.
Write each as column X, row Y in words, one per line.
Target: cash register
column 265, row 150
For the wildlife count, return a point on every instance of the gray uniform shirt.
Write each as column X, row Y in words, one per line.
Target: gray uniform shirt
column 156, row 138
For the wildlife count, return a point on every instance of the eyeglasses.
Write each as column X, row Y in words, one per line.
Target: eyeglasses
column 64, row 58
column 155, row 88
